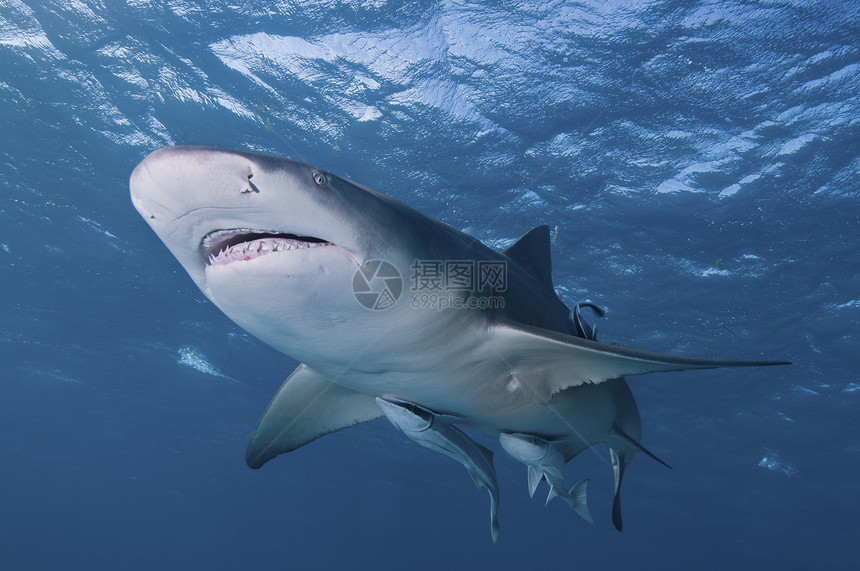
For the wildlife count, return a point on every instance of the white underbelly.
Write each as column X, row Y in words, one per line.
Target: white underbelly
column 496, row 405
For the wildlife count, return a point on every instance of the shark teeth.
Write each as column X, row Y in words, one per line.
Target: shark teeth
column 260, row 247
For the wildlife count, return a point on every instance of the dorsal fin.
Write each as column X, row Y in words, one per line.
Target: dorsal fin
column 532, row 252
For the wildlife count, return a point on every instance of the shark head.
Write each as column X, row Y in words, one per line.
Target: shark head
column 213, row 208
column 275, row 243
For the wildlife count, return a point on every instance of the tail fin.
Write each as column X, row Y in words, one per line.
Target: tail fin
column 575, row 498
column 578, row 501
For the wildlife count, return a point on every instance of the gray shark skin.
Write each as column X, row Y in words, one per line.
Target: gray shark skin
column 439, row 434
column 545, row 460
column 276, row 245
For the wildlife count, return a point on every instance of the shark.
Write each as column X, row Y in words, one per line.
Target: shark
column 391, row 312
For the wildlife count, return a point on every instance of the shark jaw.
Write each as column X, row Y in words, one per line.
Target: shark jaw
column 222, row 247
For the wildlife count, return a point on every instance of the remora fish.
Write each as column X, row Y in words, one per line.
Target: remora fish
column 297, row 256
column 545, row 460
column 439, row 434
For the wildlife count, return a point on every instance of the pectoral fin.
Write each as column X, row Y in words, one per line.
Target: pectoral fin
column 546, row 362
column 306, row 407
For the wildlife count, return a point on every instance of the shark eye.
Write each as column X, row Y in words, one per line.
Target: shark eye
column 319, row 178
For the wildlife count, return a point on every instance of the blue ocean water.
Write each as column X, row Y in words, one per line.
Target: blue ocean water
column 698, row 163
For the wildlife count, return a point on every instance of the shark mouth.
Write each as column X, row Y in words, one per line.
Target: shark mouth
column 226, row 246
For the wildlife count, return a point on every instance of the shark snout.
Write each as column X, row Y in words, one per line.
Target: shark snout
column 181, row 176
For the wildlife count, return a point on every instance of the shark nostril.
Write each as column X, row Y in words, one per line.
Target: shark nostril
column 251, row 186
